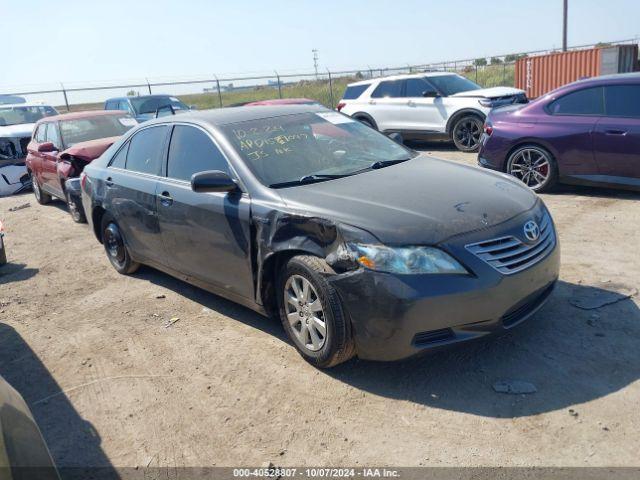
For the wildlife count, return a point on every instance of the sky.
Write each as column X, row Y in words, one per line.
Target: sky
column 78, row 41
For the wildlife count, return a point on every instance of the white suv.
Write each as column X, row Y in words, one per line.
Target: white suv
column 433, row 104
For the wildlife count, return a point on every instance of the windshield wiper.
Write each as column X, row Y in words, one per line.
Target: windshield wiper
column 317, row 177
column 386, row 163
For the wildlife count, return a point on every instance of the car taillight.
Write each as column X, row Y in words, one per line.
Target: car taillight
column 488, row 129
column 340, row 106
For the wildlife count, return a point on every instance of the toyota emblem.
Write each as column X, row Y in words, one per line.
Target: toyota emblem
column 531, row 231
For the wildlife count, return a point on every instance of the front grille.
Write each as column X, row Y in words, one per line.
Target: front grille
column 434, row 336
column 510, row 255
column 516, row 314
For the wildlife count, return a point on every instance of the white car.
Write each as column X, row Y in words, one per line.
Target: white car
column 16, row 126
column 433, row 104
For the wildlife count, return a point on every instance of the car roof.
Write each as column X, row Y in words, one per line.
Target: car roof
column 79, row 115
column 225, row 116
column 615, row 76
column 158, row 95
column 402, row 77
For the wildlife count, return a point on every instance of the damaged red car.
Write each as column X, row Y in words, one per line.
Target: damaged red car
column 62, row 145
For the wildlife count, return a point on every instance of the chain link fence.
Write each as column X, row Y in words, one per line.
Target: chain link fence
column 325, row 87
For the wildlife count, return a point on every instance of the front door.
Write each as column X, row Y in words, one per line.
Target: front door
column 50, row 179
column 206, row 235
column 616, row 140
column 424, row 110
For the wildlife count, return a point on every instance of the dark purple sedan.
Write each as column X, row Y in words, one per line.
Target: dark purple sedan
column 587, row 133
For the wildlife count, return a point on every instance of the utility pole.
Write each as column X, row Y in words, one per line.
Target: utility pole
column 564, row 24
column 315, row 61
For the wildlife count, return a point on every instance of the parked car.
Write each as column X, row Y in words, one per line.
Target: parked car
column 145, row 107
column 283, row 101
column 432, row 105
column 359, row 244
column 16, row 126
column 3, row 252
column 587, row 132
column 63, row 145
column 24, row 453
column 11, row 99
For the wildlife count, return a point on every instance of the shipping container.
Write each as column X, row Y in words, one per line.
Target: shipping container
column 540, row 74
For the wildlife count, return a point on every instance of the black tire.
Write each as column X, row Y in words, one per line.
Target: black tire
column 3, row 256
column 551, row 172
column 115, row 246
column 41, row 197
column 466, row 133
column 367, row 122
column 76, row 211
column 338, row 345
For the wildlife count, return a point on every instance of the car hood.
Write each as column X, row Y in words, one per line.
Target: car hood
column 493, row 92
column 89, row 150
column 17, row 131
column 423, row 201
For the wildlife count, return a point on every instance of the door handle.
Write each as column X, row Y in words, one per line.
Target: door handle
column 615, row 132
column 372, row 102
column 108, row 182
column 411, row 103
column 165, row 199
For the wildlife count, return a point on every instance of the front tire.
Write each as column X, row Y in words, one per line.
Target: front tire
column 41, row 197
column 534, row 166
column 311, row 312
column 75, row 209
column 116, row 248
column 467, row 132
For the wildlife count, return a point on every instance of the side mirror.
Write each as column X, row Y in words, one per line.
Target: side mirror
column 430, row 94
column 46, row 147
column 212, row 181
column 396, row 137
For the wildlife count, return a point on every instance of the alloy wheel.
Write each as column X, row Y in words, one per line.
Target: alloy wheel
column 531, row 166
column 468, row 132
column 304, row 313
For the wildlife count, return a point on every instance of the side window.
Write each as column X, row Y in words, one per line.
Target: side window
column 353, row 92
column 124, row 105
column 415, row 87
column 145, row 150
column 192, row 151
column 582, row 102
column 52, row 135
column 388, row 89
column 622, row 101
column 120, row 160
column 40, row 133
column 111, row 105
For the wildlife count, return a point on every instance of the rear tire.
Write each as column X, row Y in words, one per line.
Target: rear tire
column 3, row 255
column 466, row 133
column 312, row 314
column 42, row 197
column 534, row 166
column 367, row 122
column 115, row 247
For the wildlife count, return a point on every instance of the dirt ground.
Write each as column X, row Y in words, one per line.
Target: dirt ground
column 112, row 384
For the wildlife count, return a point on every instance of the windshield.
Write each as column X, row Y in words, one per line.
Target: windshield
column 452, row 84
column 92, row 128
column 151, row 104
column 289, row 148
column 20, row 115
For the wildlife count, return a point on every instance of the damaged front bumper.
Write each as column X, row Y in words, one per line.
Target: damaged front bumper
column 395, row 316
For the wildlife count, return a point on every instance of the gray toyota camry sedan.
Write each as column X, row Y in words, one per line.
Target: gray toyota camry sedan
column 360, row 245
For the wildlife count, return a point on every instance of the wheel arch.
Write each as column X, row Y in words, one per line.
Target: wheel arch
column 461, row 113
column 366, row 116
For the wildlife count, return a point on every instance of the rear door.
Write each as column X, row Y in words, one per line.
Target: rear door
column 34, row 158
column 206, row 235
column 570, row 127
column 616, row 140
column 388, row 107
column 131, row 192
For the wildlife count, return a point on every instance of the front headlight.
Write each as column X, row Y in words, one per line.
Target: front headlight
column 405, row 260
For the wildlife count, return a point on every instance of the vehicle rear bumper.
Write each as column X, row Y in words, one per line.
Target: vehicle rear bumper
column 398, row 316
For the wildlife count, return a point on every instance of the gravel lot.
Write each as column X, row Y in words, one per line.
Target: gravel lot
column 111, row 384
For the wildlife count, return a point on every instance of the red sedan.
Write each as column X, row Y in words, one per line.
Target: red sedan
column 62, row 145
